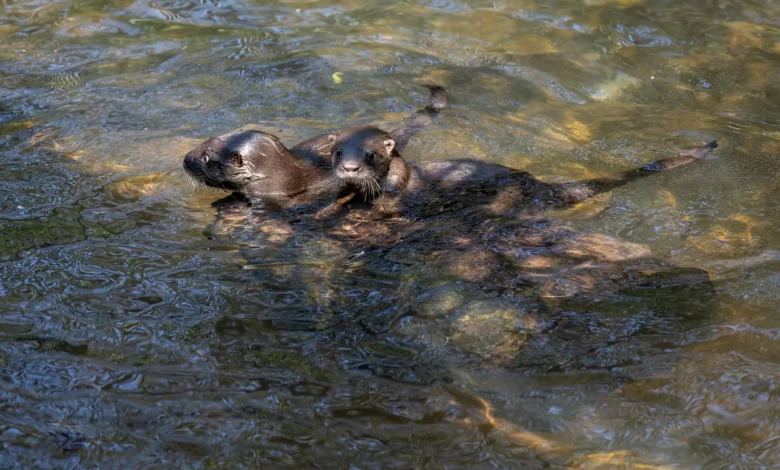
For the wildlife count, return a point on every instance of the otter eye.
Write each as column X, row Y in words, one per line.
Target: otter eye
column 338, row 153
column 370, row 155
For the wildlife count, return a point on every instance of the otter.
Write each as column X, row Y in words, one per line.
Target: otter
column 256, row 166
column 367, row 164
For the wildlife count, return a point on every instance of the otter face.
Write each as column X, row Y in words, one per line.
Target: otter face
column 233, row 161
column 361, row 158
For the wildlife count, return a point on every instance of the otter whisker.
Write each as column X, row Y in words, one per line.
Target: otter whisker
column 373, row 185
column 332, row 178
column 371, row 189
column 368, row 187
column 362, row 182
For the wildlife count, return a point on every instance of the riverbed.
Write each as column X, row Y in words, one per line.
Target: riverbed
column 143, row 327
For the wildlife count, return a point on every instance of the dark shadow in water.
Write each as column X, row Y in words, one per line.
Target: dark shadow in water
column 470, row 274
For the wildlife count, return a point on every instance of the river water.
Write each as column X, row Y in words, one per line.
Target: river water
column 142, row 327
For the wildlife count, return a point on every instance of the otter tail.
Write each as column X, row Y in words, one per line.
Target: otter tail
column 438, row 100
column 577, row 191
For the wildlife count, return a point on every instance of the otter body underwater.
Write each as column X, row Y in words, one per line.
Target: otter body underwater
column 369, row 168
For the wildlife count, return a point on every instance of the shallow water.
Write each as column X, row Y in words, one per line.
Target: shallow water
column 142, row 327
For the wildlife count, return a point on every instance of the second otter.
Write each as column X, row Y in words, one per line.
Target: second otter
column 365, row 161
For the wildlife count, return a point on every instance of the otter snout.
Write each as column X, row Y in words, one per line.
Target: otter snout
column 193, row 161
column 350, row 167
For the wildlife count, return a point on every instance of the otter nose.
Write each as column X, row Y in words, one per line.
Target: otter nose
column 192, row 156
column 350, row 167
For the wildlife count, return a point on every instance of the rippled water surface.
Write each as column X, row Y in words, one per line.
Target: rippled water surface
column 143, row 327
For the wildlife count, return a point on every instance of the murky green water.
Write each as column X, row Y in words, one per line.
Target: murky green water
column 140, row 328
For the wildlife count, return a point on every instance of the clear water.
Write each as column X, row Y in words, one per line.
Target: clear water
column 140, row 328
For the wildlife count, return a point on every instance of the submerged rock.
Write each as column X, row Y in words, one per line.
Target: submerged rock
column 495, row 328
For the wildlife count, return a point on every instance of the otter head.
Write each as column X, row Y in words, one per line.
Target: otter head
column 361, row 159
column 250, row 162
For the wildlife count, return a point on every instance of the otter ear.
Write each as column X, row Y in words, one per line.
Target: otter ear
column 235, row 158
column 389, row 145
column 331, row 139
